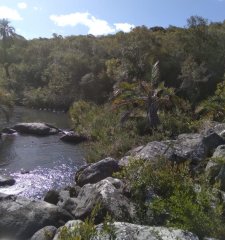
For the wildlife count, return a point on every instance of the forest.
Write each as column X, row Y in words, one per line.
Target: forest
column 130, row 89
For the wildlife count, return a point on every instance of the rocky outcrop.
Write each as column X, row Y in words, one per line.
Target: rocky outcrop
column 193, row 147
column 40, row 129
column 72, row 137
column 46, row 233
column 20, row 218
column 6, row 181
column 128, row 231
column 94, row 173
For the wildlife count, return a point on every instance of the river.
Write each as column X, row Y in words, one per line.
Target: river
column 48, row 162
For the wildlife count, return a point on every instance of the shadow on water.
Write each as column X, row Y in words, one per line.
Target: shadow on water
column 47, row 161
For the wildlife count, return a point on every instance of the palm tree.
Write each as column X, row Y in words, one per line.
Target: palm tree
column 7, row 32
column 144, row 98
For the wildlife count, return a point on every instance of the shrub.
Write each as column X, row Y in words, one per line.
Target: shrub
column 166, row 194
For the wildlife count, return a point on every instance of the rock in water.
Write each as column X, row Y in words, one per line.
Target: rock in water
column 73, row 137
column 41, row 129
column 4, row 181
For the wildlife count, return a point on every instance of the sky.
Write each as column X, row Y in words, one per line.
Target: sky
column 42, row 18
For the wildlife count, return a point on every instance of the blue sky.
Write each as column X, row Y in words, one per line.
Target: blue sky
column 42, row 18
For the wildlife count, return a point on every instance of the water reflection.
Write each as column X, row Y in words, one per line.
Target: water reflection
column 51, row 163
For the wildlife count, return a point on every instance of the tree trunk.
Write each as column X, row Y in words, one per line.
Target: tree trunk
column 152, row 112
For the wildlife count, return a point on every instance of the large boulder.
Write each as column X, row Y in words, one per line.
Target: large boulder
column 46, row 233
column 94, row 173
column 4, row 181
column 41, row 129
column 20, row 218
column 193, row 146
column 128, row 231
column 108, row 193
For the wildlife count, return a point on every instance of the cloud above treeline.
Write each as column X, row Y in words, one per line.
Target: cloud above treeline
column 22, row 5
column 9, row 13
column 95, row 25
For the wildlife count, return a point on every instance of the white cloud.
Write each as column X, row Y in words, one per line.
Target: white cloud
column 22, row 5
column 125, row 27
column 9, row 13
column 95, row 26
column 37, row 8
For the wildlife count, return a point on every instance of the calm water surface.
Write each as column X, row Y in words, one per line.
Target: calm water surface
column 51, row 163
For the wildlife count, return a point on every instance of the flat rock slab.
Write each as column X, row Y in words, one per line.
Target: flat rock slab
column 6, row 181
column 20, row 218
column 41, row 129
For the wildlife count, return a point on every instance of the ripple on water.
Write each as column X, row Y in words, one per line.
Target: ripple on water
column 37, row 182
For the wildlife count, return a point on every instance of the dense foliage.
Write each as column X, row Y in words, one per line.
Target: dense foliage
column 53, row 73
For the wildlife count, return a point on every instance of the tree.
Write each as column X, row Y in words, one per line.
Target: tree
column 192, row 77
column 149, row 96
column 6, row 34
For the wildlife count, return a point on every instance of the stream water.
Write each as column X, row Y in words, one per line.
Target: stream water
column 38, row 163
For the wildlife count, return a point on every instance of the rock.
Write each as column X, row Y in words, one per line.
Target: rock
column 4, row 181
column 46, row 233
column 52, row 197
column 41, row 129
column 94, row 173
column 8, row 131
column 73, row 137
column 219, row 152
column 128, row 231
column 150, row 152
column 24, row 171
column 109, row 194
column 20, row 218
column 193, row 146
column 73, row 190
column 70, row 226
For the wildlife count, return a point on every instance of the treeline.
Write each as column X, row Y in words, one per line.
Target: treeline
column 53, row 73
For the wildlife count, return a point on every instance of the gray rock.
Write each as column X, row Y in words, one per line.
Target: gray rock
column 52, row 197
column 41, row 129
column 219, row 152
column 70, row 225
column 194, row 147
column 4, row 181
column 8, row 131
column 20, row 218
column 109, row 194
column 128, row 231
column 73, row 137
column 94, row 173
column 46, row 233
column 150, row 152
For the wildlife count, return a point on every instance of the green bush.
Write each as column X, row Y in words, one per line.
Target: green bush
column 177, row 200
column 213, row 108
column 109, row 137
